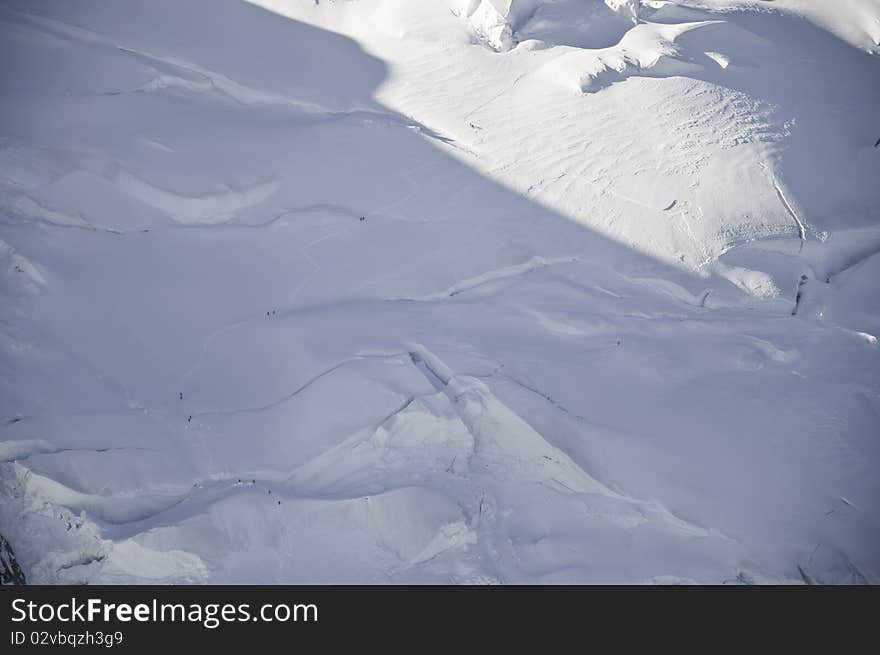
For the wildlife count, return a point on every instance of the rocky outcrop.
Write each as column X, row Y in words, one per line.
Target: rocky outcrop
column 10, row 571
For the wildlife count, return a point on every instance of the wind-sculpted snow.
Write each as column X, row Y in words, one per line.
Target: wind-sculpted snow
column 423, row 291
column 644, row 50
column 209, row 208
column 734, row 99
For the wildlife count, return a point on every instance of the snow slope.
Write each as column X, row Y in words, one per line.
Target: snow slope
column 427, row 291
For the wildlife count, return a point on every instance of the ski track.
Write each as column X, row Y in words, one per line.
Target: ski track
column 802, row 230
column 287, row 397
column 127, row 514
column 212, row 80
column 21, row 450
column 469, row 284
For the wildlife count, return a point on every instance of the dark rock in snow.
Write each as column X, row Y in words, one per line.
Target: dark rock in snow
column 10, row 571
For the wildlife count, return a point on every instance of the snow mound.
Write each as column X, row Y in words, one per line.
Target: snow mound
column 493, row 22
column 646, row 49
column 855, row 21
column 502, row 24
